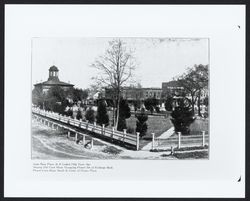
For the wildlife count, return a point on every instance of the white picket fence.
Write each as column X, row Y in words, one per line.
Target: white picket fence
column 101, row 130
column 181, row 141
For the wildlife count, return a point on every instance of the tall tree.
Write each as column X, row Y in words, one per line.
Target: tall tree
column 116, row 67
column 193, row 82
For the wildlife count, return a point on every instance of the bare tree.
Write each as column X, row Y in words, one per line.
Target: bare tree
column 116, row 67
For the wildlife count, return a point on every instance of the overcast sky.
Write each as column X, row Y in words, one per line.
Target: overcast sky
column 158, row 59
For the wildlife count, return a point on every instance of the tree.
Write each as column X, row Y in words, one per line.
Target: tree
column 79, row 115
column 123, row 115
column 150, row 104
column 182, row 117
column 115, row 67
column 102, row 115
column 205, row 101
column 169, row 103
column 141, row 123
column 38, row 97
column 90, row 115
column 193, row 82
column 54, row 99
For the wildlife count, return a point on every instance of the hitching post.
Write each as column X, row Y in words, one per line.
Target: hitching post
column 153, row 140
column 203, row 138
column 124, row 134
column 137, row 140
column 179, row 140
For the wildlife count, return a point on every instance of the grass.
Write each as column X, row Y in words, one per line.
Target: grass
column 156, row 124
column 192, row 155
column 111, row 150
column 198, row 126
column 181, row 149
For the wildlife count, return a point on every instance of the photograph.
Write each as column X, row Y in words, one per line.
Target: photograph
column 120, row 98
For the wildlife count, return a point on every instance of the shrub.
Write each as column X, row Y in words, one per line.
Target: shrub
column 102, row 115
column 121, row 124
column 79, row 115
column 157, row 109
column 141, row 125
column 182, row 117
column 169, row 103
column 130, row 130
column 90, row 115
column 124, row 114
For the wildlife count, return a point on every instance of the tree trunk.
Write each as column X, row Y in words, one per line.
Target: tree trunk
column 117, row 110
column 199, row 103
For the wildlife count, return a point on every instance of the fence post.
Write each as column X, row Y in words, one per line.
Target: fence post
column 76, row 137
column 83, row 140
column 87, row 124
column 103, row 129
column 80, row 123
column 179, row 140
column 124, row 134
column 113, row 131
column 75, row 121
column 94, row 126
column 153, row 140
column 68, row 136
column 137, row 140
column 203, row 138
column 59, row 117
column 172, row 150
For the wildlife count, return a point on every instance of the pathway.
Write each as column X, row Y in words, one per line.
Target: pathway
column 164, row 135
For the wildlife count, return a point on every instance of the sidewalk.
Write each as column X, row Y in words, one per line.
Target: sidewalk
column 164, row 135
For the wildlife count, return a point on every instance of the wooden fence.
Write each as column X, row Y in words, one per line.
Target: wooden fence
column 181, row 141
column 100, row 130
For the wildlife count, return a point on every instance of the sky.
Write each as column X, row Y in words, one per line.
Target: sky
column 157, row 59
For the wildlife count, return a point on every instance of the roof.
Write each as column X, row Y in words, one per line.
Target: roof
column 173, row 83
column 53, row 68
column 53, row 83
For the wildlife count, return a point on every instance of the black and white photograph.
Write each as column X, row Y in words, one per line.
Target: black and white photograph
column 124, row 101
column 120, row 98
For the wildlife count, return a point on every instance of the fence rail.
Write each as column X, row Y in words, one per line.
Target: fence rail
column 101, row 130
column 181, row 141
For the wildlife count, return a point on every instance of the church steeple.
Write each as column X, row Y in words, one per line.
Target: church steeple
column 53, row 73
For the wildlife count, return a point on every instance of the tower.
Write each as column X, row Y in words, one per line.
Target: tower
column 53, row 73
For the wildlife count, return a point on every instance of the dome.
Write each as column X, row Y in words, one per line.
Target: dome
column 53, row 68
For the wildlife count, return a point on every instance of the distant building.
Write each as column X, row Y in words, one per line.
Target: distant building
column 133, row 93
column 52, row 81
column 171, row 88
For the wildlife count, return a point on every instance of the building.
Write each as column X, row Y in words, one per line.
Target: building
column 171, row 88
column 52, row 81
column 133, row 93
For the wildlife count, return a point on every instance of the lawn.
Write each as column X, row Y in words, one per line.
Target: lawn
column 156, row 124
column 198, row 126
